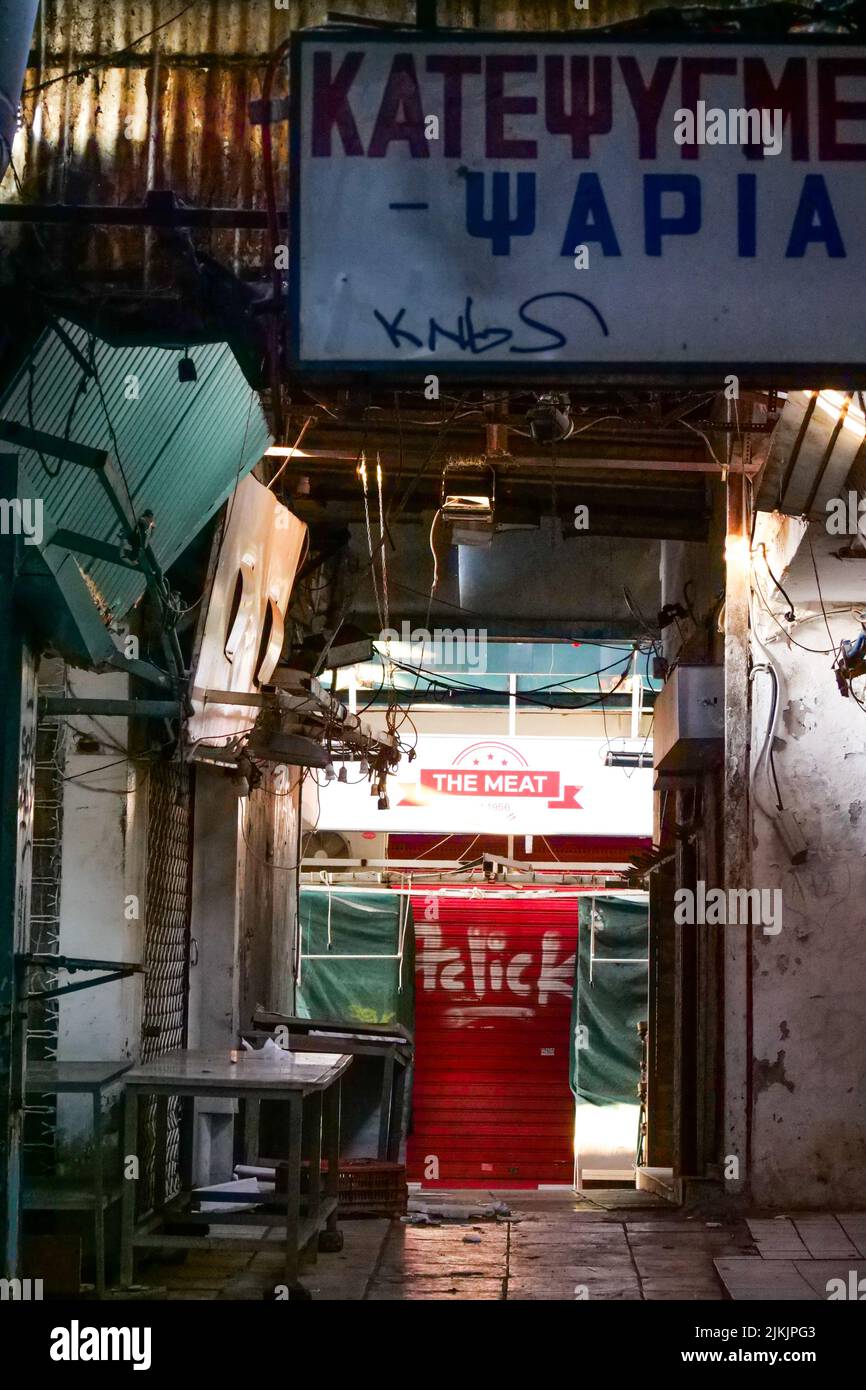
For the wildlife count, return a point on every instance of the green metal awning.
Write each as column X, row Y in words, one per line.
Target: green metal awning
column 176, row 450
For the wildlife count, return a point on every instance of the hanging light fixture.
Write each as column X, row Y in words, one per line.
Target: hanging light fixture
column 468, row 502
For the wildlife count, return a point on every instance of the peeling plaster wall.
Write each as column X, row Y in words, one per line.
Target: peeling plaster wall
column 103, row 863
column 809, row 984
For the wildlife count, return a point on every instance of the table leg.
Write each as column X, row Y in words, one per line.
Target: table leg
column 186, row 1120
column 160, row 1152
column 385, row 1104
column 130, row 1184
column 293, row 1192
column 395, row 1133
column 98, row 1192
column 252, row 1110
column 331, row 1239
column 314, row 1156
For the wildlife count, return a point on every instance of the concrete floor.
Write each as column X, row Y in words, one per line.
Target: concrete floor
column 622, row 1245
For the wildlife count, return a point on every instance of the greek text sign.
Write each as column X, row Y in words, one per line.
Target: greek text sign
column 524, row 203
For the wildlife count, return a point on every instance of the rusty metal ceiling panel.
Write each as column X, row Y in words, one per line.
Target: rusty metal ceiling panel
column 120, row 98
column 180, row 446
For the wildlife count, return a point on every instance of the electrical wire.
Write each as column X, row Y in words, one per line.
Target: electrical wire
column 820, row 595
column 297, row 444
column 474, row 613
column 362, row 474
column 637, row 613
column 91, row 339
column 454, row 684
column 816, row 651
column 790, row 616
column 551, row 685
column 383, row 554
column 269, row 863
column 722, row 466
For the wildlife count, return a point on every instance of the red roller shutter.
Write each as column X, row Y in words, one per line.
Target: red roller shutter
column 491, row 1099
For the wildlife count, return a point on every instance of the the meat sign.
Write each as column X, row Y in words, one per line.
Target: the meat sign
column 528, row 204
column 509, row 786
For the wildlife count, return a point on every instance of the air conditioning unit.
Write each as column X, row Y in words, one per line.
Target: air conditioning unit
column 689, row 721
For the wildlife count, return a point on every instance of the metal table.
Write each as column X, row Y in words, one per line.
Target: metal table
column 391, row 1044
column 88, row 1078
column 289, row 1077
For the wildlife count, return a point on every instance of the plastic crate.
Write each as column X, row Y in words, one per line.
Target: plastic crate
column 371, row 1186
column 368, row 1186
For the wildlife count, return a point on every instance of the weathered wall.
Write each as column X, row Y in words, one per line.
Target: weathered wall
column 809, row 983
column 102, row 864
column 213, row 977
column 268, row 894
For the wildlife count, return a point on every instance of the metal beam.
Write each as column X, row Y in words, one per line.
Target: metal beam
column 57, row 705
column 537, row 866
column 57, row 447
column 65, row 214
column 42, row 443
column 27, row 961
column 89, row 545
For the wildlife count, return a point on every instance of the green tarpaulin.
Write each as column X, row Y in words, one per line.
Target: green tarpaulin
column 610, row 998
column 357, row 957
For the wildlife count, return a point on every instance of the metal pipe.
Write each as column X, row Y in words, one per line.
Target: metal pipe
column 17, row 18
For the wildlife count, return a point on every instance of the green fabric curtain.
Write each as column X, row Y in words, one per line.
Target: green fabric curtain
column 609, row 1000
column 355, row 923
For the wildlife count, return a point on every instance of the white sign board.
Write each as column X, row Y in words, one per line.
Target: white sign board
column 522, row 203
column 499, row 786
column 246, row 609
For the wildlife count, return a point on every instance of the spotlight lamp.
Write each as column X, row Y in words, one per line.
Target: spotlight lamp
column 186, row 369
column 549, row 420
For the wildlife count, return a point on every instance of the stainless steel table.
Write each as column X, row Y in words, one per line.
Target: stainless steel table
column 289, row 1077
column 83, row 1078
column 391, row 1044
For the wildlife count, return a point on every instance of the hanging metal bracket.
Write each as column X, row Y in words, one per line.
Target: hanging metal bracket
column 28, row 961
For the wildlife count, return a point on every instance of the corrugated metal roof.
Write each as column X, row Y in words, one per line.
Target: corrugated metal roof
column 181, row 446
column 161, row 101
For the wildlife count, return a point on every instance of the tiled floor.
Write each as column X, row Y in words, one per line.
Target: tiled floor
column 797, row 1258
column 621, row 1246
